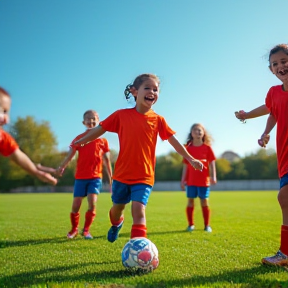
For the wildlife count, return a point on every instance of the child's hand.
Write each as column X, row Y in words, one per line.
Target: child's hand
column 183, row 184
column 60, row 171
column 241, row 115
column 198, row 165
column 46, row 177
column 263, row 141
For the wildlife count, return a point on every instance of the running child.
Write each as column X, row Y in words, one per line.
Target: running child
column 88, row 176
column 276, row 103
column 197, row 183
column 9, row 148
column 137, row 129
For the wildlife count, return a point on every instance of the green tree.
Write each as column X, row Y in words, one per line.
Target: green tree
column 223, row 168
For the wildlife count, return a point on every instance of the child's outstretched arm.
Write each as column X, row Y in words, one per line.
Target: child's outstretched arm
column 184, row 153
column 24, row 162
column 265, row 137
column 93, row 134
column 65, row 162
column 257, row 112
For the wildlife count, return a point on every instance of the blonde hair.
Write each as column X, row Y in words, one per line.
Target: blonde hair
column 207, row 138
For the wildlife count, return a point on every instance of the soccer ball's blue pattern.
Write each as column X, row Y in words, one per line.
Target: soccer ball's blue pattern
column 140, row 253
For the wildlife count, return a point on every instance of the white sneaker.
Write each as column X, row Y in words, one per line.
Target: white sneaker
column 279, row 259
column 190, row 228
column 208, row 229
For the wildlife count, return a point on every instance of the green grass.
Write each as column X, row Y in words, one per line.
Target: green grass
column 35, row 252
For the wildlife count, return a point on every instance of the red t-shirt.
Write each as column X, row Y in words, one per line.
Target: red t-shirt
column 137, row 138
column 7, row 143
column 89, row 162
column 277, row 102
column 205, row 154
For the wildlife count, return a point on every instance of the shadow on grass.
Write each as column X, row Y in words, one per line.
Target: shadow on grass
column 15, row 243
column 246, row 277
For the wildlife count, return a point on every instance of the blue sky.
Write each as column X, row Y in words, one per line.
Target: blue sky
column 59, row 58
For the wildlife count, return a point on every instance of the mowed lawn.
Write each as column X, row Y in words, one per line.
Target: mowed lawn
column 36, row 253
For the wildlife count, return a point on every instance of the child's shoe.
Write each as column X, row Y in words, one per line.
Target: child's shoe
column 72, row 234
column 208, row 229
column 190, row 228
column 86, row 235
column 279, row 259
column 114, row 232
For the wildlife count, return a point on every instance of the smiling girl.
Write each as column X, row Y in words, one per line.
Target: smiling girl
column 276, row 103
column 137, row 129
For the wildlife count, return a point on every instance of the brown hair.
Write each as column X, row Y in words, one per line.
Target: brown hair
column 207, row 138
column 4, row 92
column 91, row 111
column 138, row 82
column 276, row 49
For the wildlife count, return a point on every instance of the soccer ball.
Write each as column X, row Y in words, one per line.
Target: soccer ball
column 140, row 254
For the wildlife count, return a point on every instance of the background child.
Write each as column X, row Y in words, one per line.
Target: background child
column 198, row 183
column 9, row 147
column 88, row 176
column 137, row 129
column 276, row 103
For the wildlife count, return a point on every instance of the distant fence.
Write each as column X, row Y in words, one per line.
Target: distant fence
column 229, row 185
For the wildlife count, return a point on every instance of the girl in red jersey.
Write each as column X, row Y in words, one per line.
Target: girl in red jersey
column 137, row 129
column 198, row 183
column 88, row 176
column 276, row 103
column 9, row 147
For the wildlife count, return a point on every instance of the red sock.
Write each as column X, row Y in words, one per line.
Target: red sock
column 74, row 218
column 115, row 222
column 138, row 230
column 206, row 215
column 190, row 215
column 284, row 239
column 89, row 218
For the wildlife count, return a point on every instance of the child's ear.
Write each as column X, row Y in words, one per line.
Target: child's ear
column 83, row 122
column 271, row 69
column 133, row 91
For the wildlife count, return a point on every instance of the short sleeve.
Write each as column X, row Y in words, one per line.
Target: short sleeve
column 165, row 132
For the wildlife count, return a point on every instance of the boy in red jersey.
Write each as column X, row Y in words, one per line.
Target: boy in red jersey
column 88, row 176
column 137, row 129
column 198, row 183
column 9, row 148
column 276, row 103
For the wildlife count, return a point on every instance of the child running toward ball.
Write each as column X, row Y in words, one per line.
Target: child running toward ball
column 137, row 129
column 88, row 176
column 276, row 103
column 197, row 183
column 9, row 147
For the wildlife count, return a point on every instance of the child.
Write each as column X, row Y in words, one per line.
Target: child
column 88, row 176
column 276, row 103
column 9, row 147
column 197, row 183
column 137, row 129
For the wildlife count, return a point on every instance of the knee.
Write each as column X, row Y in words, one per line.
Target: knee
column 283, row 197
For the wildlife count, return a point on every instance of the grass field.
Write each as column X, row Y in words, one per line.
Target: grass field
column 246, row 227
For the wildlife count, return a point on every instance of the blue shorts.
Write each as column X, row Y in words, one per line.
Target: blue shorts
column 284, row 180
column 124, row 193
column 197, row 191
column 83, row 187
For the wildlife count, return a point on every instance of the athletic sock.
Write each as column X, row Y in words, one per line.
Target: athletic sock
column 74, row 218
column 190, row 215
column 89, row 218
column 138, row 230
column 206, row 215
column 284, row 240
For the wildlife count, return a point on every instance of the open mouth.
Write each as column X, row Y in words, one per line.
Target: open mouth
column 283, row 71
column 149, row 99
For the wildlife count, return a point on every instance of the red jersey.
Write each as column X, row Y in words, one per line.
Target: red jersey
column 137, row 138
column 7, row 143
column 205, row 154
column 89, row 162
column 277, row 102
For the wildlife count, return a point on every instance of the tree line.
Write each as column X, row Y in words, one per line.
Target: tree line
column 38, row 141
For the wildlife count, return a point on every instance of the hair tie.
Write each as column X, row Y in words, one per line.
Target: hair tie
column 127, row 91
